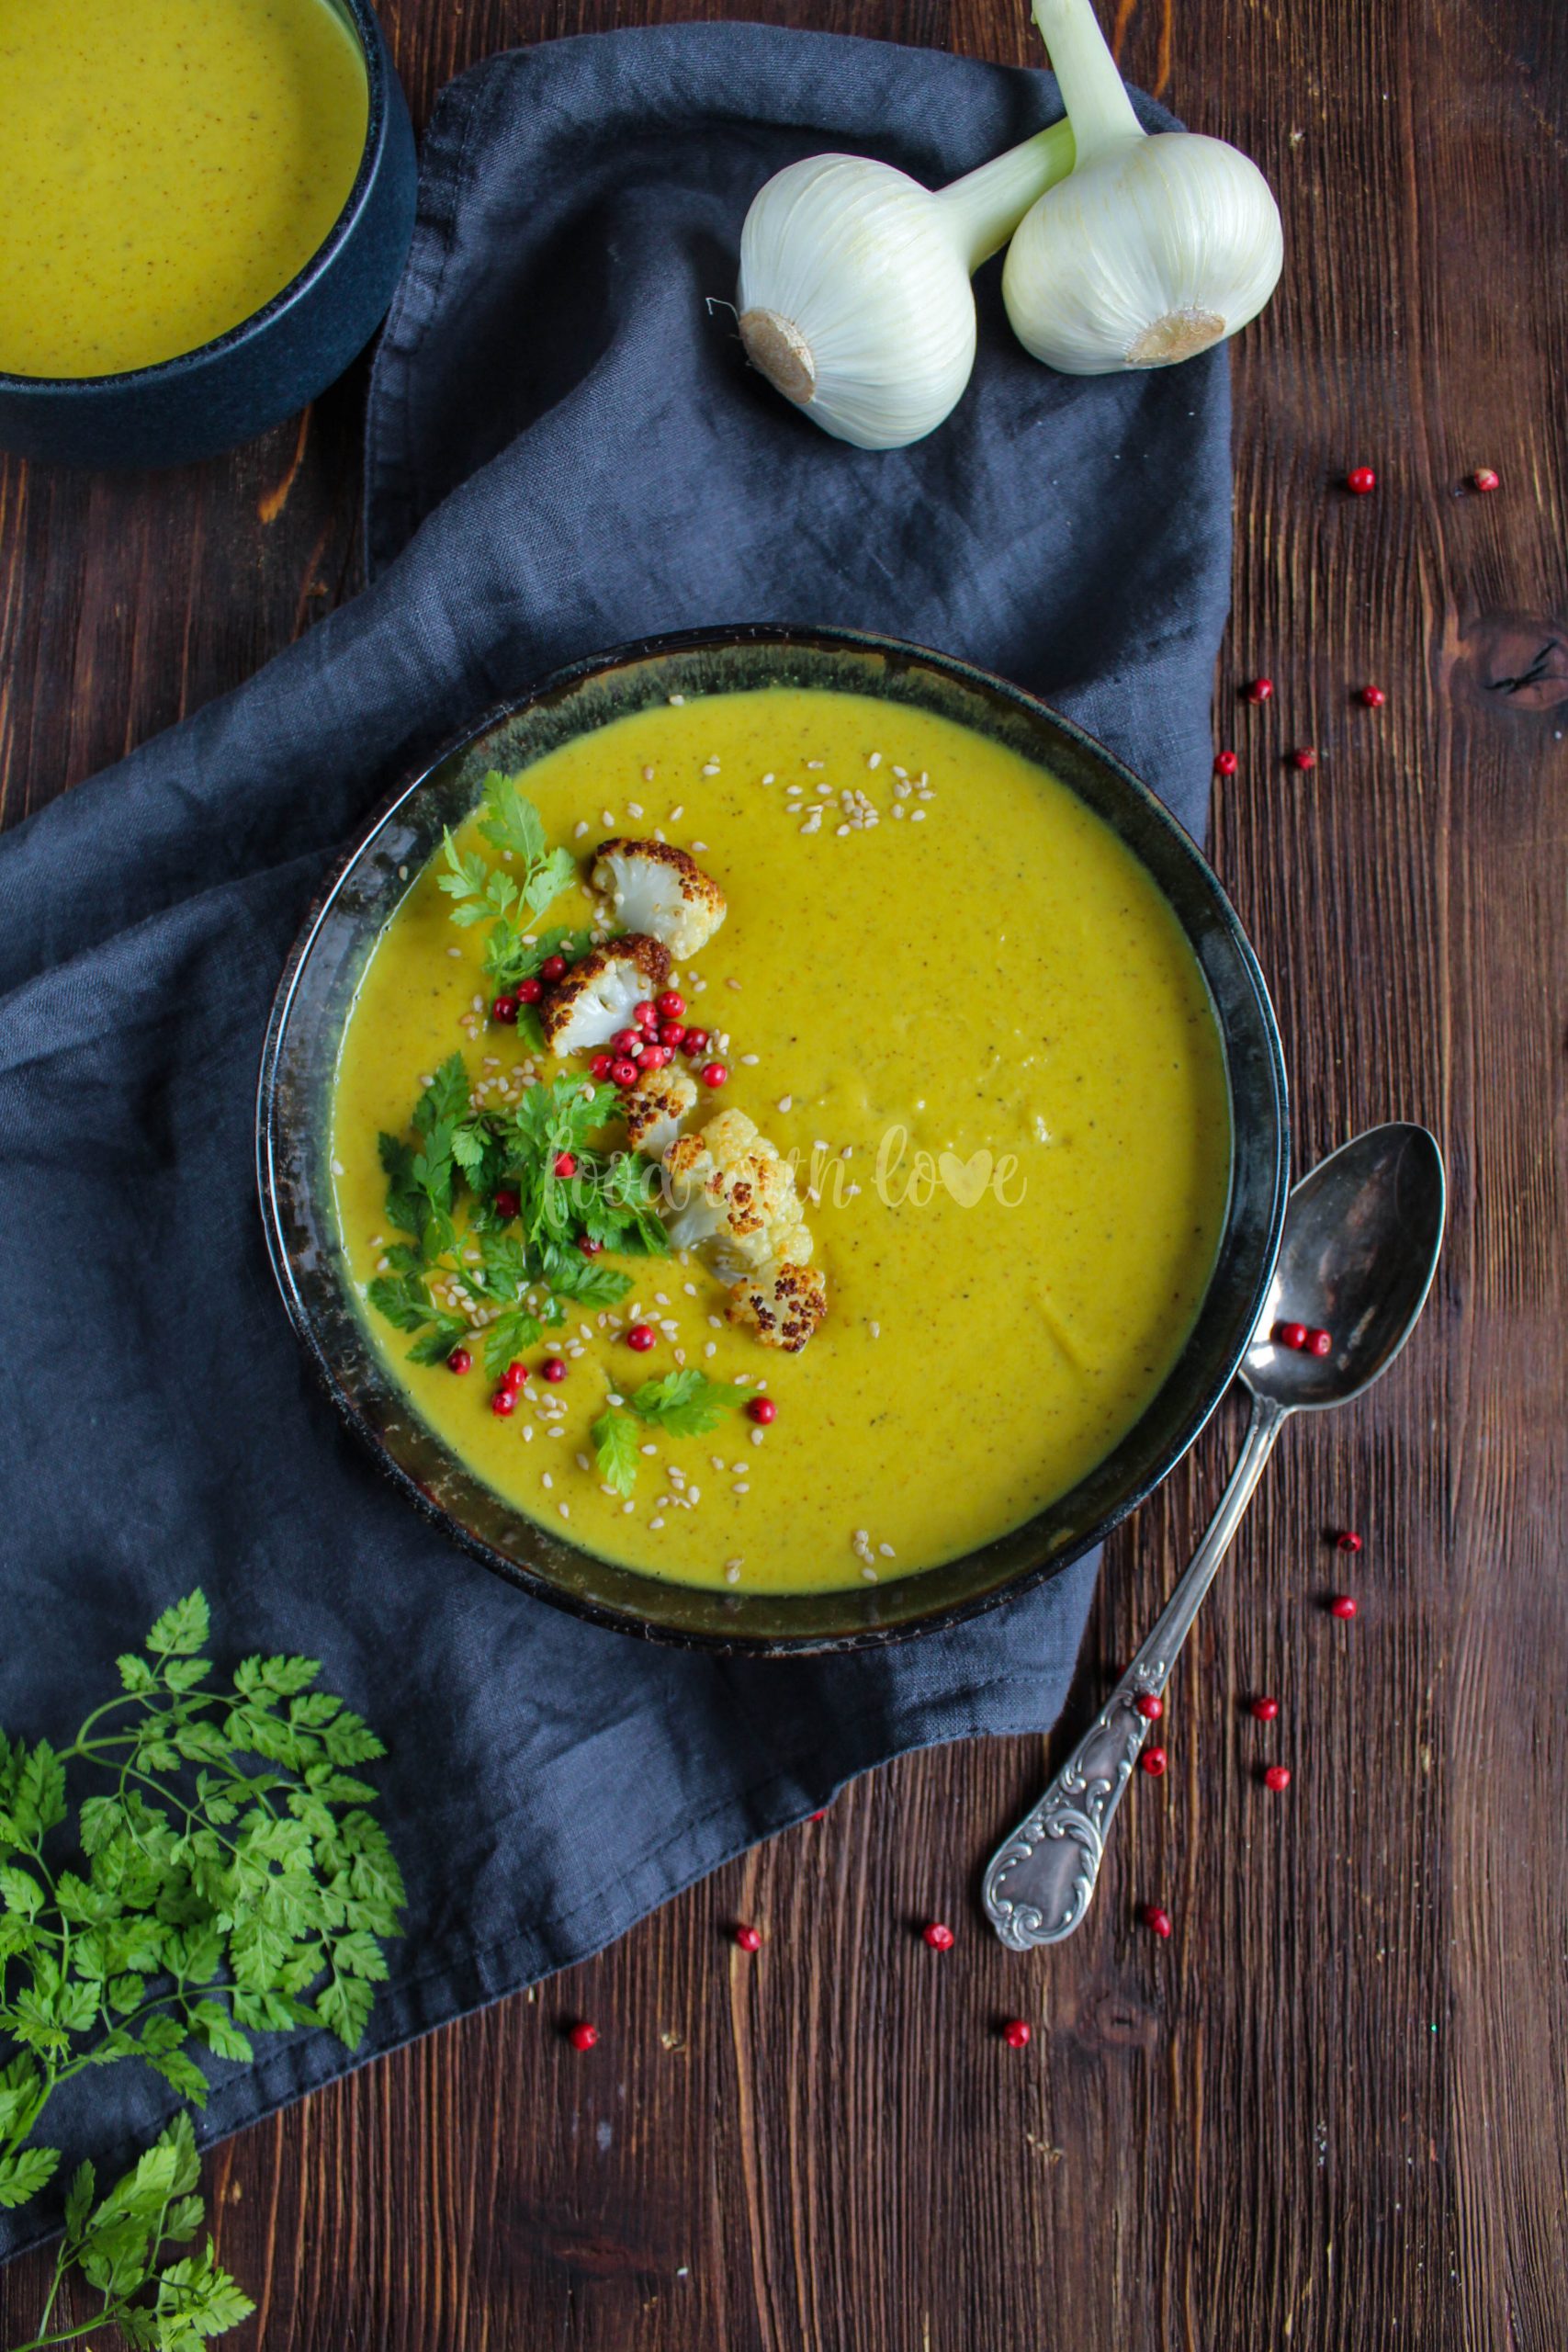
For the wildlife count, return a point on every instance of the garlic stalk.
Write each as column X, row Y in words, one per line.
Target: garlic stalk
column 1154, row 248
column 854, row 297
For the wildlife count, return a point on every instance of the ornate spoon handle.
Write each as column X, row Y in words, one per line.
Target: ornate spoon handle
column 1040, row 1880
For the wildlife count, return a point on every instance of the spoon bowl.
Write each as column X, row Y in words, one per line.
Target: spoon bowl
column 1359, row 1255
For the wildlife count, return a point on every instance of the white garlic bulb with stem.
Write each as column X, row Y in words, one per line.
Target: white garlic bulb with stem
column 854, row 297
column 1154, row 247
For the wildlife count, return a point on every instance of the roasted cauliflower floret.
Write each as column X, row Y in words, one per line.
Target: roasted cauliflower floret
column 729, row 1195
column 654, row 1108
column 599, row 994
column 783, row 1303
column 656, row 889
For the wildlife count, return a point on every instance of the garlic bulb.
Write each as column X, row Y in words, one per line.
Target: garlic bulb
column 1154, row 248
column 854, row 297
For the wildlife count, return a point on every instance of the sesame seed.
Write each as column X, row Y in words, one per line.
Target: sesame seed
column 649, row 1449
column 840, row 831
column 565, row 1509
column 455, row 952
column 583, row 1461
column 769, row 777
column 549, row 1481
column 916, row 816
column 606, row 817
column 732, row 1574
column 787, row 1101
column 677, row 700
column 710, row 767
column 875, row 761
column 700, row 846
column 869, row 1575
column 676, row 814
column 580, row 828
column 626, row 1510
column 887, row 1551
column 647, row 775
column 634, row 808
column 757, row 1436
column 816, row 763
column 656, row 1522
column 741, row 1487
column 693, row 1494
column 710, row 1347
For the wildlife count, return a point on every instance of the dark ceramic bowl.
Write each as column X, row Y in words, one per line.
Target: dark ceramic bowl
column 273, row 363
column 293, row 1147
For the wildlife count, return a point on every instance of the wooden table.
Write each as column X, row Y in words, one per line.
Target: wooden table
column 1332, row 2112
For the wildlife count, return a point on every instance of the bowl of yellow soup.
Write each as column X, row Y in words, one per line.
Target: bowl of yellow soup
column 980, row 1030
column 205, row 206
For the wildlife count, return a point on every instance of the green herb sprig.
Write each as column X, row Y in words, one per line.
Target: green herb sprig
column 229, row 1879
column 521, row 1269
column 510, row 900
column 119, row 2245
column 681, row 1404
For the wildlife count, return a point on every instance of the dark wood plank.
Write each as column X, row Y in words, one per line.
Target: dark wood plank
column 1332, row 2112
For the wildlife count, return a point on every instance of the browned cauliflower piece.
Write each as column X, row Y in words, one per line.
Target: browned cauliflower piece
column 654, row 1108
column 783, row 1303
column 656, row 889
column 601, row 992
column 729, row 1194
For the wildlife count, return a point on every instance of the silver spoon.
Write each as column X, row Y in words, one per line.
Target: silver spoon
column 1362, row 1234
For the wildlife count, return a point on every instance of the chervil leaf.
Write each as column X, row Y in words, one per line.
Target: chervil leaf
column 616, row 1445
column 36, row 1798
column 23, row 2176
column 545, row 885
column 592, row 1285
column 687, row 1403
column 506, row 1339
column 438, row 1343
column 79, row 2198
column 182, row 1629
column 511, row 823
column 345, row 2006
column 445, row 1099
column 20, row 1891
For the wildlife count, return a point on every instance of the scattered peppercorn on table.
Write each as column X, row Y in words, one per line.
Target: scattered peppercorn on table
column 1297, row 2080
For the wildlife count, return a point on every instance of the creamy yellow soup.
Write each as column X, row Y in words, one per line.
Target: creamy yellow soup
column 964, row 1007
column 166, row 166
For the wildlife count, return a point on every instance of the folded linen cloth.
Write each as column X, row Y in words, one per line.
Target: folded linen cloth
column 564, row 451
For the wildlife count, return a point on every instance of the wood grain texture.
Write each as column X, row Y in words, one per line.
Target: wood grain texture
column 1332, row 2112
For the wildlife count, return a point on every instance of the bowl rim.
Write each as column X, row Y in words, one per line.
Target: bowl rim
column 1188, row 1424
column 362, row 21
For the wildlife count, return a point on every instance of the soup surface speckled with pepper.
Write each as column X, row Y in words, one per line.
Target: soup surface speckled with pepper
column 955, row 1003
column 166, row 167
